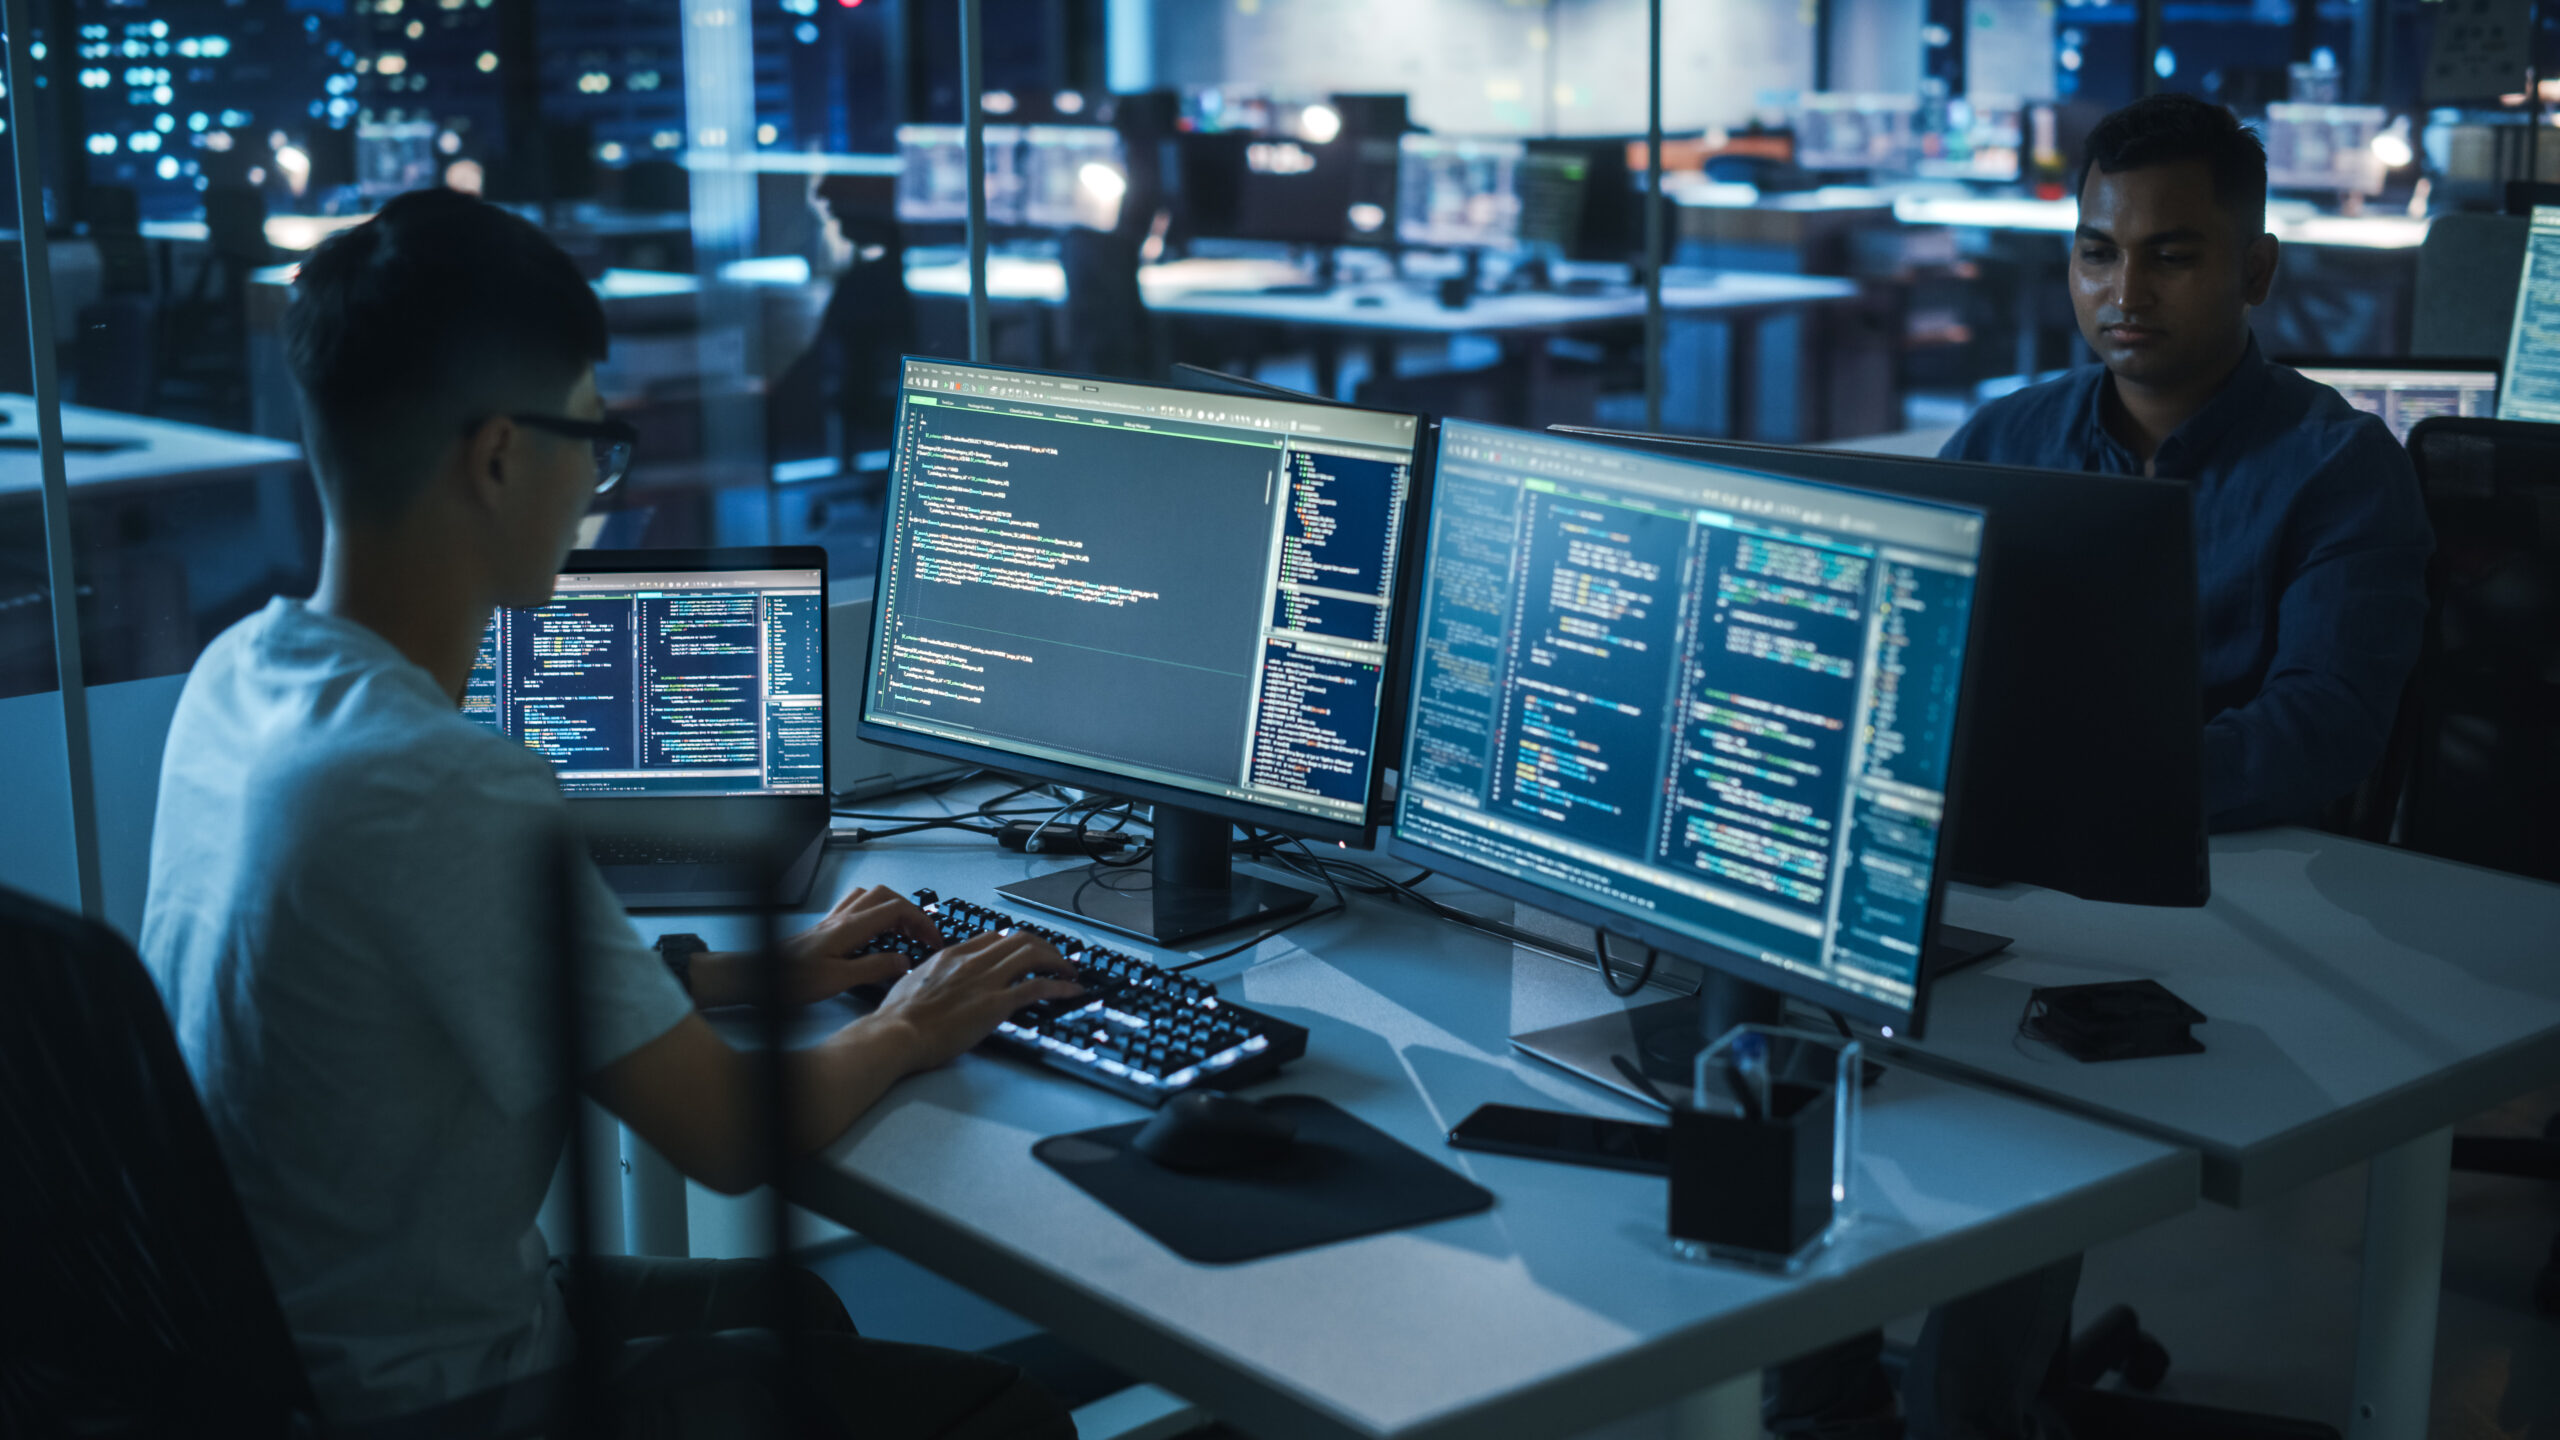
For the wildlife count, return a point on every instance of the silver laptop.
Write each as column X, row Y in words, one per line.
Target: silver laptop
column 681, row 697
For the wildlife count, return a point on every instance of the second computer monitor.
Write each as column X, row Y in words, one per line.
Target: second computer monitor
column 1709, row 709
column 2404, row 391
column 2085, row 756
column 1183, row 598
column 1459, row 193
column 2531, row 389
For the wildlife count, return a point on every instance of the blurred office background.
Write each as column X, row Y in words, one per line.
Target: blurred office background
column 1437, row 204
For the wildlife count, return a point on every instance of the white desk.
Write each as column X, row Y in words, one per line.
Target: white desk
column 2363, row 1000
column 2291, row 224
column 1558, row 1310
column 168, row 454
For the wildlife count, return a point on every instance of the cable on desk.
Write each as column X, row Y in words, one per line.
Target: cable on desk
column 1608, row 977
column 1388, row 887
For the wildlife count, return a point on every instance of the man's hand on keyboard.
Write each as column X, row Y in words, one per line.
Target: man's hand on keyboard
column 822, row 961
column 958, row 997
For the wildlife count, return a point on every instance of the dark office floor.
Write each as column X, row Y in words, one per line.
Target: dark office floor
column 2257, row 1307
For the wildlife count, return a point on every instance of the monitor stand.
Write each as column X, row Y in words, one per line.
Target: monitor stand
column 1649, row 1053
column 1189, row 887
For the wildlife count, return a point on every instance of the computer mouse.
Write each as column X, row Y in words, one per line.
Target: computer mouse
column 1203, row 1132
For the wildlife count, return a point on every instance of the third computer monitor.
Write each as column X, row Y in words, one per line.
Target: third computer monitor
column 2084, row 768
column 1708, row 709
column 2404, row 391
column 1182, row 598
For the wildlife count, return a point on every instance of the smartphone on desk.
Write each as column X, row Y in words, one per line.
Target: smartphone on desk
column 1565, row 1136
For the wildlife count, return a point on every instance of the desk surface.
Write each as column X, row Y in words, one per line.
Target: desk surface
column 2360, row 997
column 1559, row 1309
column 1237, row 289
column 2293, row 226
column 171, row 453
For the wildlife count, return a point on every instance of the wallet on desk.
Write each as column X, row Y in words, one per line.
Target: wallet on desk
column 2115, row 1020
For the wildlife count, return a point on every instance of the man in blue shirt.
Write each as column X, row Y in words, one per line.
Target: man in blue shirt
column 2311, row 554
column 2311, row 542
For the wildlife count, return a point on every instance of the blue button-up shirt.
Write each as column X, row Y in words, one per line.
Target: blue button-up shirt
column 2311, row 556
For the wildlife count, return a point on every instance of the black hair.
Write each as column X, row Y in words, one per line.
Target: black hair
column 2169, row 129
column 439, row 311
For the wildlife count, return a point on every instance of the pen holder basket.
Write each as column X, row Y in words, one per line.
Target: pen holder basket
column 1765, row 1190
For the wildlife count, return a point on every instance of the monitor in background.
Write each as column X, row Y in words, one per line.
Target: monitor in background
column 2404, row 391
column 1982, row 139
column 688, row 680
column 1554, row 189
column 1608, row 205
column 933, row 175
column 1458, row 193
column 1263, row 187
column 1877, row 134
column 1181, row 598
column 1709, row 710
column 1054, row 161
column 2327, row 148
column 2088, row 673
column 2531, row 390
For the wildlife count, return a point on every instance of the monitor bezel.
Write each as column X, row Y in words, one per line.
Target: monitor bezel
column 1680, row 944
column 1243, row 812
column 712, row 561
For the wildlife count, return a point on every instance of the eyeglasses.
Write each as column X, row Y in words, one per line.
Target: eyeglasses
column 613, row 441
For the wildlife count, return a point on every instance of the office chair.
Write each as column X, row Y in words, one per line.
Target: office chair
column 2465, row 297
column 112, row 360
column 136, row 1304
column 2484, row 706
column 1105, row 315
column 132, row 1299
column 204, row 333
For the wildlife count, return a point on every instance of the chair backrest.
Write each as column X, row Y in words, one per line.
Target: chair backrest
column 2465, row 299
column 2484, row 768
column 132, row 1298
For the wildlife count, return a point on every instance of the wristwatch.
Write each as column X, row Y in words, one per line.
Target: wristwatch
column 678, row 951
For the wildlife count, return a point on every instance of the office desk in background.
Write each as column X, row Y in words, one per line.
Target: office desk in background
column 1276, row 297
column 150, row 454
column 2362, row 1000
column 207, row 524
column 2344, row 283
column 1559, row 1309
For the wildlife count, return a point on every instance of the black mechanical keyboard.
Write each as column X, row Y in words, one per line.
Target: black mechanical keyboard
column 1138, row 1029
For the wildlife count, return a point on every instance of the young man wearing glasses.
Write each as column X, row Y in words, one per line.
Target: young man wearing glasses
column 350, row 893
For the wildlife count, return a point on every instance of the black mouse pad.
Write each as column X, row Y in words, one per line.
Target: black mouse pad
column 1343, row 1179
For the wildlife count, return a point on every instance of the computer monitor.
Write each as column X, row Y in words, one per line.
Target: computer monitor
column 2084, row 761
column 1458, row 193
column 1181, row 598
column 933, row 175
column 1710, row 710
column 667, row 673
column 1982, row 139
column 1873, row 133
column 2327, row 148
column 1555, row 196
column 1594, row 179
column 2531, row 390
column 1054, row 158
column 1244, row 186
column 2404, row 391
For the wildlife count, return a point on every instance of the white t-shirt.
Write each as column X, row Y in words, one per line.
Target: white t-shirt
column 348, row 923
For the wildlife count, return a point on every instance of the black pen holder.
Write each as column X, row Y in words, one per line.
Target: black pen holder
column 1756, row 1191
